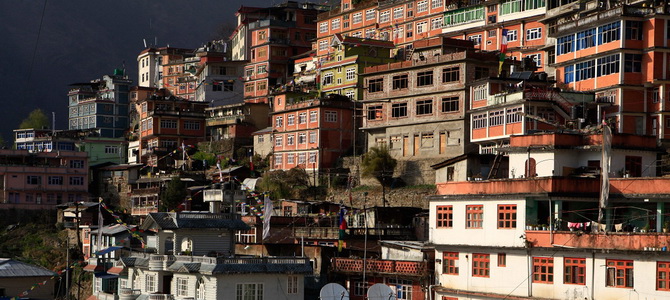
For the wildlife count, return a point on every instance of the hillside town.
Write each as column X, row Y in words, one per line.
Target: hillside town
column 365, row 149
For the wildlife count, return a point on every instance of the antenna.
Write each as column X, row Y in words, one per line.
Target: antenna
column 380, row 291
column 333, row 291
column 145, row 42
column 53, row 123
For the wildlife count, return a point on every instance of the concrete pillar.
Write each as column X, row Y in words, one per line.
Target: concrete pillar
column 558, row 213
column 660, row 219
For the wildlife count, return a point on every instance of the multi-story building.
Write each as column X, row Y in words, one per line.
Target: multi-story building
column 311, row 132
column 41, row 140
column 101, row 104
column 286, row 31
column 192, row 256
column 417, row 108
column 218, row 78
column 42, row 180
column 234, row 123
column 166, row 123
column 615, row 52
column 349, row 18
column 339, row 70
column 158, row 67
column 574, row 228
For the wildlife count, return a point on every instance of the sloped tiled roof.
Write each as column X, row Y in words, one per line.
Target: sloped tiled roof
column 185, row 267
column 13, row 268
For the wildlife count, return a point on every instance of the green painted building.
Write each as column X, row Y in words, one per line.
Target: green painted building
column 349, row 56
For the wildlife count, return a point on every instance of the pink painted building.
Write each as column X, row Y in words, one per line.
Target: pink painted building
column 42, row 180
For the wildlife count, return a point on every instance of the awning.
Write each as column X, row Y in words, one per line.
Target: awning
column 108, row 250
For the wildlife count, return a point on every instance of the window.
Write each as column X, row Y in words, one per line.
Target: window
column 278, row 140
column 200, row 289
column 249, row 87
column 451, row 74
column 262, row 69
column 376, row 85
column 331, row 116
column 323, row 45
column 312, row 137
column 76, row 180
column 409, row 30
column 585, row 70
column 290, row 120
column 474, row 216
column 55, row 180
column 279, row 121
column 312, row 116
column 574, row 270
column 399, row 110
column 537, row 59
column 435, row 4
column 249, row 291
column 569, row 75
column 479, row 121
column 290, row 158
column 565, row 44
column 464, row 15
column 279, row 159
column 502, row 260
column 424, row 107
column 335, row 24
column 262, row 35
column 633, row 30
column 450, row 104
column 619, row 273
column 445, row 216
column 302, row 138
column 586, row 39
column 450, row 263
column 398, row 12
column 477, row 39
column 534, row 33
column 609, row 33
column 436, row 23
column 510, row 6
column 168, row 124
column 608, row 65
column 375, row 112
column 370, row 14
column 292, row 284
column 424, row 78
column 113, row 149
column 350, row 94
column 312, row 157
column 507, row 216
column 328, row 78
column 32, row 179
column 384, row 16
column 480, row 264
column 400, row 81
column 301, row 158
column 512, row 35
column 150, row 283
column 421, row 27
column 422, row 6
column 191, row 125
column 543, row 269
column 663, row 276
column 76, row 164
column 481, row 72
column 632, row 63
column 402, row 288
column 182, row 287
column 290, row 139
column 512, row 115
column 302, row 118
column 357, row 17
column 360, row 288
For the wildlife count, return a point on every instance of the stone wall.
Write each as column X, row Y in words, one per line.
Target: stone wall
column 407, row 196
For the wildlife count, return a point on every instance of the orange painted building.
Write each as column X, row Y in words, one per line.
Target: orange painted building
column 310, row 132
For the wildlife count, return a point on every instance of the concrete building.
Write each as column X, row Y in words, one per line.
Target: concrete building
column 547, row 236
column 42, row 180
column 418, row 108
column 101, row 104
column 17, row 277
column 311, row 132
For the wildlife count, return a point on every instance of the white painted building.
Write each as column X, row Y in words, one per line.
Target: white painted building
column 191, row 256
column 538, row 237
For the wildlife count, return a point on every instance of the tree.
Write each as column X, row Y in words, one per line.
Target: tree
column 378, row 163
column 285, row 184
column 174, row 194
column 36, row 119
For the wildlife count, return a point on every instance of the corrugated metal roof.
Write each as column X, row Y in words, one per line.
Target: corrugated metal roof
column 262, row 268
column 113, row 229
column 193, row 220
column 13, row 268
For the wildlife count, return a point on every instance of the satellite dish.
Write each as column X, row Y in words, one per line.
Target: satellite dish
column 333, row 291
column 380, row 291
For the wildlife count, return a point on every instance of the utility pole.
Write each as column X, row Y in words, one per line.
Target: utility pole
column 365, row 243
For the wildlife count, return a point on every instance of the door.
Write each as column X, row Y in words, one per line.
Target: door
column 416, row 145
column 405, row 146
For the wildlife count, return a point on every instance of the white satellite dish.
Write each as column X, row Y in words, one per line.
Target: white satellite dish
column 380, row 291
column 333, row 291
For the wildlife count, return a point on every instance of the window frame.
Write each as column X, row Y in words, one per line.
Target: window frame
column 481, row 265
column 574, row 270
column 444, row 216
column 507, row 215
column 450, row 263
column 543, row 270
column 474, row 216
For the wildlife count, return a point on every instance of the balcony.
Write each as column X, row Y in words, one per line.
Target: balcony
column 625, row 241
column 160, row 297
column 225, row 120
column 380, row 267
column 143, row 211
column 129, row 294
column 160, row 262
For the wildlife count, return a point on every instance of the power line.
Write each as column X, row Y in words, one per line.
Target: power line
column 32, row 60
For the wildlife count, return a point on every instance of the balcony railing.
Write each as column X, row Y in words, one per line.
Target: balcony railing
column 631, row 241
column 374, row 266
column 143, row 211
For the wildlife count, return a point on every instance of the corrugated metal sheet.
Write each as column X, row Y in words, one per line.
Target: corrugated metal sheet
column 13, row 268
